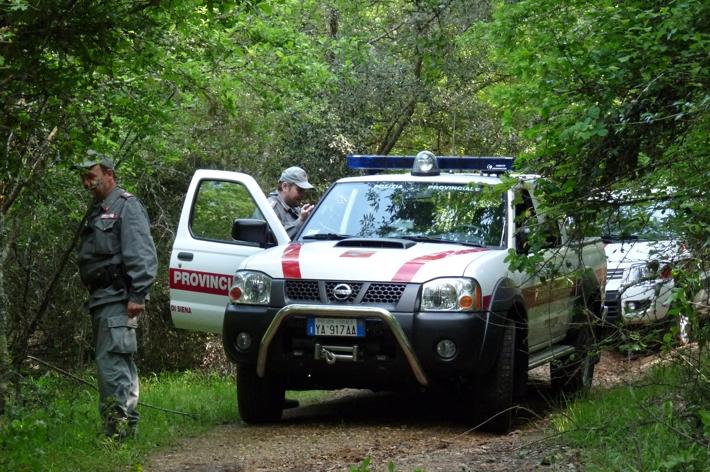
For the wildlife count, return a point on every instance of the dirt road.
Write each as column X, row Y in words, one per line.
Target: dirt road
column 410, row 431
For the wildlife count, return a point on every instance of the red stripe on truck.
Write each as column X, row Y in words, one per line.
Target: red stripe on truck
column 289, row 261
column 410, row 268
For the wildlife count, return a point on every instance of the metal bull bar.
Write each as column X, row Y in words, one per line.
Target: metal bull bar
column 341, row 312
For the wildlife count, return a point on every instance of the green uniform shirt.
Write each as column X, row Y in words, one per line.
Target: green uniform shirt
column 289, row 216
column 117, row 233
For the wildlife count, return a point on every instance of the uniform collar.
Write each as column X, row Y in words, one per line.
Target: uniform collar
column 283, row 203
column 109, row 201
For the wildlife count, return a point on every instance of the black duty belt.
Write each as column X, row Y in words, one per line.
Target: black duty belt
column 106, row 276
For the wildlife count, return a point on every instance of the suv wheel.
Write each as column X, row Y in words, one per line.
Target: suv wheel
column 495, row 389
column 259, row 400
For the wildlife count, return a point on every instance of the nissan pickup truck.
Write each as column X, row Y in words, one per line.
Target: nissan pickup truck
column 398, row 281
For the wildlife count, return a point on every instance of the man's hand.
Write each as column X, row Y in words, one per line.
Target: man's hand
column 306, row 211
column 135, row 309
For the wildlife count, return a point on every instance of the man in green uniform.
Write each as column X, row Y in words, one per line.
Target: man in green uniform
column 118, row 264
column 287, row 197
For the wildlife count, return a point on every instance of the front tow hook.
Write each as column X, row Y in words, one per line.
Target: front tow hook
column 328, row 353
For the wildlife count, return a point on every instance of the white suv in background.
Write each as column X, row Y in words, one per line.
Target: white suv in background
column 641, row 252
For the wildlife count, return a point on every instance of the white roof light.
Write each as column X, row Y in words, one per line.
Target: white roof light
column 425, row 164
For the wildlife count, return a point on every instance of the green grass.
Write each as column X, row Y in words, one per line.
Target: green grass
column 57, row 427
column 661, row 423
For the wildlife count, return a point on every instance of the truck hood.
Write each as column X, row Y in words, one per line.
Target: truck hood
column 329, row 260
column 627, row 253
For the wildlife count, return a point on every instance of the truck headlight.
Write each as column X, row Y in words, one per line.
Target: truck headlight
column 451, row 294
column 252, row 288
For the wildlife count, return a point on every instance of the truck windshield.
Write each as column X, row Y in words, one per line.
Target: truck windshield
column 642, row 221
column 461, row 213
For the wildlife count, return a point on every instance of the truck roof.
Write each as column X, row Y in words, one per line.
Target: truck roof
column 426, row 167
column 449, row 178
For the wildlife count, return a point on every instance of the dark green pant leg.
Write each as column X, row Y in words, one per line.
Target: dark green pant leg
column 116, row 343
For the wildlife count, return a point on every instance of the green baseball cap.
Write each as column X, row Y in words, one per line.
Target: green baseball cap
column 96, row 158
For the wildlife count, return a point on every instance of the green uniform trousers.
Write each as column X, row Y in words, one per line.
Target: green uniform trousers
column 115, row 341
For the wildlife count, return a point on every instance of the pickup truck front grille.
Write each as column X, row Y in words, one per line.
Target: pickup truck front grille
column 381, row 293
column 384, row 293
column 303, row 290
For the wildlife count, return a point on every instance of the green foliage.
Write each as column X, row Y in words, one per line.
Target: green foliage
column 646, row 425
column 609, row 96
column 215, row 201
column 603, row 74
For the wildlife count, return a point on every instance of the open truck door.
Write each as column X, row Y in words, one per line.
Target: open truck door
column 204, row 255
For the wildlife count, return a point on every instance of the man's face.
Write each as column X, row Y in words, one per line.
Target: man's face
column 292, row 194
column 97, row 181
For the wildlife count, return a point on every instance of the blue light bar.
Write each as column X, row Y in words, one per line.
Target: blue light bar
column 378, row 163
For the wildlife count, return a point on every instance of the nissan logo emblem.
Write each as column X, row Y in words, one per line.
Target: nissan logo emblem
column 342, row 292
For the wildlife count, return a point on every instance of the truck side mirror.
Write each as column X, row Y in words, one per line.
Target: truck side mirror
column 252, row 231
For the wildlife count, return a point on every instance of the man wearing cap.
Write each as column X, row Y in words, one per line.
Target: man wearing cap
column 285, row 201
column 118, row 265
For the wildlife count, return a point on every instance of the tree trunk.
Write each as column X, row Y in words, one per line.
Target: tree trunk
column 5, row 362
column 400, row 123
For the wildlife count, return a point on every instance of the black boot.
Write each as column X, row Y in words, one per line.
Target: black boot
column 290, row 403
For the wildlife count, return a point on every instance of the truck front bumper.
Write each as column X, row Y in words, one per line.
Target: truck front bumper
column 397, row 345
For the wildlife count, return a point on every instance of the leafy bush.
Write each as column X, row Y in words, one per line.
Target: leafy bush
column 661, row 423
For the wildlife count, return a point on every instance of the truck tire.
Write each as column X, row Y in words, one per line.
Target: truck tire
column 259, row 400
column 574, row 373
column 495, row 390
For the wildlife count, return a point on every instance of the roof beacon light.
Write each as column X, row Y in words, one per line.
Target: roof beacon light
column 425, row 164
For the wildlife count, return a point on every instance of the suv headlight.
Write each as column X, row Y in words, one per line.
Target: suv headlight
column 651, row 270
column 252, row 288
column 638, row 272
column 451, row 294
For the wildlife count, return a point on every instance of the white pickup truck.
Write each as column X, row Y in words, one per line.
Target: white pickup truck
column 397, row 281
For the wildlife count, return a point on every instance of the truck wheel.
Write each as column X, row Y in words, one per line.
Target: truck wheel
column 258, row 400
column 574, row 373
column 495, row 390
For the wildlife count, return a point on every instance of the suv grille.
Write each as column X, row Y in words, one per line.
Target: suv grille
column 613, row 305
column 361, row 292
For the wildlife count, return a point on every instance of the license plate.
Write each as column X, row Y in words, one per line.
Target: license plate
column 350, row 327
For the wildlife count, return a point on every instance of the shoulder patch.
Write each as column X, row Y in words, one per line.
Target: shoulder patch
column 127, row 195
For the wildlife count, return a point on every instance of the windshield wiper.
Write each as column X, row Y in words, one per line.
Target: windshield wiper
column 428, row 239
column 328, row 236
